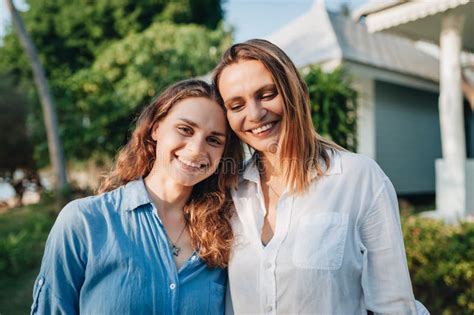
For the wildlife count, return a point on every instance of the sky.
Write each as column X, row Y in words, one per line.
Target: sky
column 250, row 18
column 258, row 18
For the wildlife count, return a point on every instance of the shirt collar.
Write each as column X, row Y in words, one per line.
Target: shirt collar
column 134, row 195
column 335, row 166
column 251, row 172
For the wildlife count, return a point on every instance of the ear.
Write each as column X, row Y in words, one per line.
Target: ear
column 154, row 133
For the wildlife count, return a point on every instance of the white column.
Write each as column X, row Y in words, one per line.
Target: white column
column 365, row 116
column 450, row 171
column 451, row 99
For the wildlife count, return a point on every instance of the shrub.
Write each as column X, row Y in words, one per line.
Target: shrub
column 22, row 238
column 441, row 262
column 333, row 104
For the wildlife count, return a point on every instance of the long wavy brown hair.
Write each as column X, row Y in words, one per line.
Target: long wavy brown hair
column 300, row 147
column 209, row 208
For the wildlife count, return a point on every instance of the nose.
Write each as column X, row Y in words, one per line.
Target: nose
column 195, row 146
column 256, row 111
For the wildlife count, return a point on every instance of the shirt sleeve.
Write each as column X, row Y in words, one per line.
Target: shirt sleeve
column 229, row 309
column 385, row 278
column 57, row 287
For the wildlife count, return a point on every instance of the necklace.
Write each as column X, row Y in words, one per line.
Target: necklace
column 269, row 186
column 273, row 190
column 174, row 246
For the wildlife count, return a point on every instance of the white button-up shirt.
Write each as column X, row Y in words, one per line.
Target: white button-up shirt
column 336, row 249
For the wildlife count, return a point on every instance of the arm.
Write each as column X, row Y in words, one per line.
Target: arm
column 57, row 288
column 385, row 279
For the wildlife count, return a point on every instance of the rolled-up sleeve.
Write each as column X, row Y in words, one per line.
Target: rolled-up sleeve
column 385, row 278
column 57, row 287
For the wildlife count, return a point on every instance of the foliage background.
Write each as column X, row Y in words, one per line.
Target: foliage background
column 441, row 262
column 105, row 60
column 333, row 105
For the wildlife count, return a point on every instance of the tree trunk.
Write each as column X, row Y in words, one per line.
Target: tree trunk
column 49, row 111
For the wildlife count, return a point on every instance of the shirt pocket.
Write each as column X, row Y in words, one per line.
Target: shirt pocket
column 216, row 298
column 320, row 241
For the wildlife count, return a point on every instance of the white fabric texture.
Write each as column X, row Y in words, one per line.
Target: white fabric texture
column 337, row 248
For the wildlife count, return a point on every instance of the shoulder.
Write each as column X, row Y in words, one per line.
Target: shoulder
column 357, row 174
column 81, row 212
column 355, row 164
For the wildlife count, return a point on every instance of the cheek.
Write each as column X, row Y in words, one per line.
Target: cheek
column 277, row 106
column 216, row 156
column 235, row 121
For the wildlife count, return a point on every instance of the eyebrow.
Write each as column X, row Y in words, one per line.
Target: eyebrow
column 260, row 90
column 193, row 124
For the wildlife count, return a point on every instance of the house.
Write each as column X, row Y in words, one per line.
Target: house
column 449, row 24
column 398, row 120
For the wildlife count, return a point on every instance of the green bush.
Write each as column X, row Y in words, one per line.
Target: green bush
column 441, row 262
column 333, row 104
column 23, row 232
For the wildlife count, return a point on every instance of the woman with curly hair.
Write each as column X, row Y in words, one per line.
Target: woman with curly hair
column 156, row 240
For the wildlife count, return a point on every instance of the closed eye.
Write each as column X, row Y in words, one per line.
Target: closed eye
column 185, row 130
column 236, row 107
column 268, row 95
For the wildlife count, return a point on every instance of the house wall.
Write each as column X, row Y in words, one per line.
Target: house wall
column 407, row 136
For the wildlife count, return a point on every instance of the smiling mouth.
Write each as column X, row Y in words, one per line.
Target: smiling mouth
column 264, row 129
column 190, row 165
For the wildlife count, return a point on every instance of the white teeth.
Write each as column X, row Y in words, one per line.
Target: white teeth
column 262, row 129
column 189, row 163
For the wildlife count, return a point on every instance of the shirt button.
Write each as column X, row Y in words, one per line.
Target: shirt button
column 41, row 281
column 269, row 308
column 172, row 286
column 268, row 265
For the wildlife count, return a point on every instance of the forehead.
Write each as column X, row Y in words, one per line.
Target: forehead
column 243, row 77
column 204, row 112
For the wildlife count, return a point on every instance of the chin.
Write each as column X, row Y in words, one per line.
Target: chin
column 268, row 145
column 188, row 180
column 186, row 183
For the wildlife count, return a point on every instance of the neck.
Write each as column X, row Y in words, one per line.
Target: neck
column 167, row 195
column 270, row 164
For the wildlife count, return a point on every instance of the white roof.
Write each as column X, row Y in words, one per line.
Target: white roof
column 418, row 19
column 319, row 36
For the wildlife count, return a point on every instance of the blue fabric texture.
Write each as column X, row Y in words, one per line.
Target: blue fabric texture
column 109, row 254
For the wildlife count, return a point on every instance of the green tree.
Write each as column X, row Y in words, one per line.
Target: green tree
column 333, row 105
column 17, row 150
column 107, row 96
column 16, row 147
column 75, row 39
column 70, row 33
column 47, row 101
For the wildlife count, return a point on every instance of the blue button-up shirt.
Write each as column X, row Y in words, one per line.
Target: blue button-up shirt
column 109, row 254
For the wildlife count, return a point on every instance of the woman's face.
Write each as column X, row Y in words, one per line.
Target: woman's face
column 190, row 141
column 254, row 107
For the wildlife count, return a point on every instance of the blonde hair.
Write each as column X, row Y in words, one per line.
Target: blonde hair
column 208, row 210
column 300, row 147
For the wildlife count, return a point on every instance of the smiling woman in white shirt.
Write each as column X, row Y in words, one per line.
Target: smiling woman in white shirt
column 317, row 228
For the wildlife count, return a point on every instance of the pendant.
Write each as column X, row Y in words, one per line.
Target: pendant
column 175, row 249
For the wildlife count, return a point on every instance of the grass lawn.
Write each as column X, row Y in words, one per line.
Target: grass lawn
column 23, row 232
column 16, row 292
